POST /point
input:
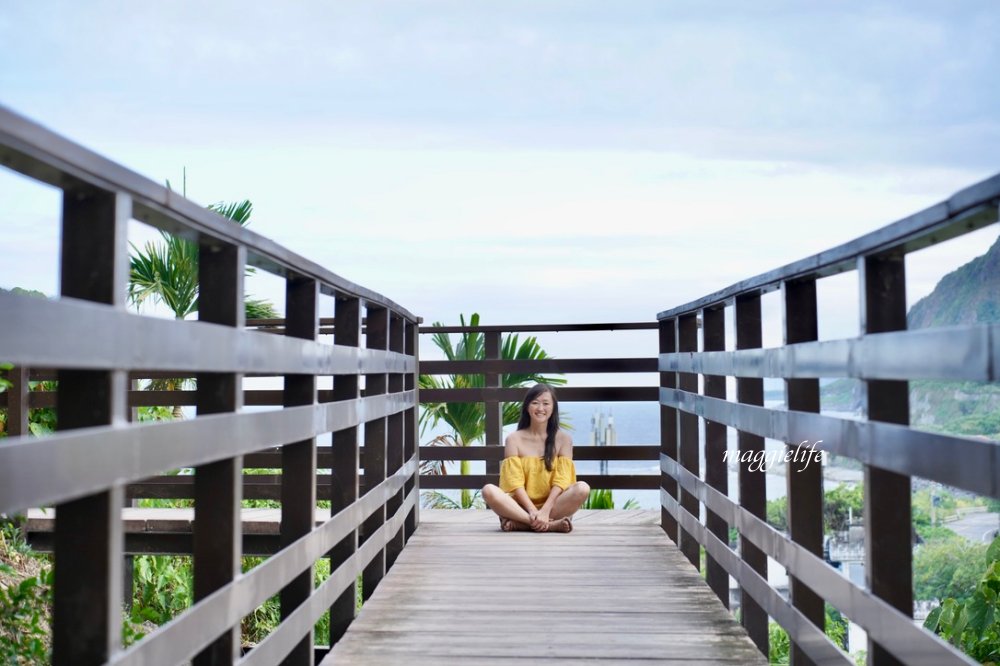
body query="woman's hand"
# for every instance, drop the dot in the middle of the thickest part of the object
(539, 520)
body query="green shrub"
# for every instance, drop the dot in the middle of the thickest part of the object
(24, 617)
(163, 587)
(603, 499)
(779, 645)
(973, 625)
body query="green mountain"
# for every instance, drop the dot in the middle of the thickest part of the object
(967, 295)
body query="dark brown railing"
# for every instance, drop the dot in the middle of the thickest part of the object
(884, 357)
(493, 396)
(94, 345)
(89, 342)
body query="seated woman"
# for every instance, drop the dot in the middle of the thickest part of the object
(538, 487)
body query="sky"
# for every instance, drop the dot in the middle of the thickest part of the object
(536, 162)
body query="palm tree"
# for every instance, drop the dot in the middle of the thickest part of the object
(167, 272)
(467, 420)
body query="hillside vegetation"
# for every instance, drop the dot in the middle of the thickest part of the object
(967, 295)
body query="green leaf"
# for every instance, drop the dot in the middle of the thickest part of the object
(150, 615)
(931, 623)
(39, 429)
(993, 552)
(961, 621)
(237, 211)
(27, 584)
(980, 613)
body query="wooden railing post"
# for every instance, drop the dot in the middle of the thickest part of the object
(411, 342)
(88, 540)
(376, 337)
(716, 471)
(298, 459)
(17, 401)
(753, 492)
(394, 440)
(218, 486)
(344, 466)
(668, 426)
(687, 426)
(804, 471)
(494, 415)
(888, 520)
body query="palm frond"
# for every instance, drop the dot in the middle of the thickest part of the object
(468, 420)
(237, 211)
(434, 499)
(259, 308)
(437, 467)
(167, 273)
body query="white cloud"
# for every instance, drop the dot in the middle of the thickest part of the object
(462, 156)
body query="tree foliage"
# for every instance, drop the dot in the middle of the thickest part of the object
(839, 504)
(944, 568)
(166, 271)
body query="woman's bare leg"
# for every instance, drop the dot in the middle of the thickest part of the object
(570, 501)
(507, 508)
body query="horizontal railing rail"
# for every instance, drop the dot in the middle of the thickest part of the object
(92, 347)
(885, 357)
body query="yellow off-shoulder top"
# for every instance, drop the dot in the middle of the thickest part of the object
(529, 472)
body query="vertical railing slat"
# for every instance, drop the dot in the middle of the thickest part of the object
(687, 426)
(344, 470)
(716, 471)
(753, 497)
(88, 542)
(298, 459)
(804, 474)
(888, 520)
(394, 440)
(218, 486)
(668, 426)
(494, 415)
(374, 463)
(411, 342)
(17, 401)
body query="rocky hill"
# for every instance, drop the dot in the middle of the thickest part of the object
(967, 295)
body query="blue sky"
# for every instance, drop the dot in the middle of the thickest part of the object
(536, 162)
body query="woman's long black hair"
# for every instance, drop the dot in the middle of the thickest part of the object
(551, 428)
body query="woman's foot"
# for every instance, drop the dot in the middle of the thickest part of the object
(561, 525)
(508, 525)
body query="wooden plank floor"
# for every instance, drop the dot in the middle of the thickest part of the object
(614, 591)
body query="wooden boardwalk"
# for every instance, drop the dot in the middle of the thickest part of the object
(614, 591)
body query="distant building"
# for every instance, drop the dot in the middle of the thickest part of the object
(602, 433)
